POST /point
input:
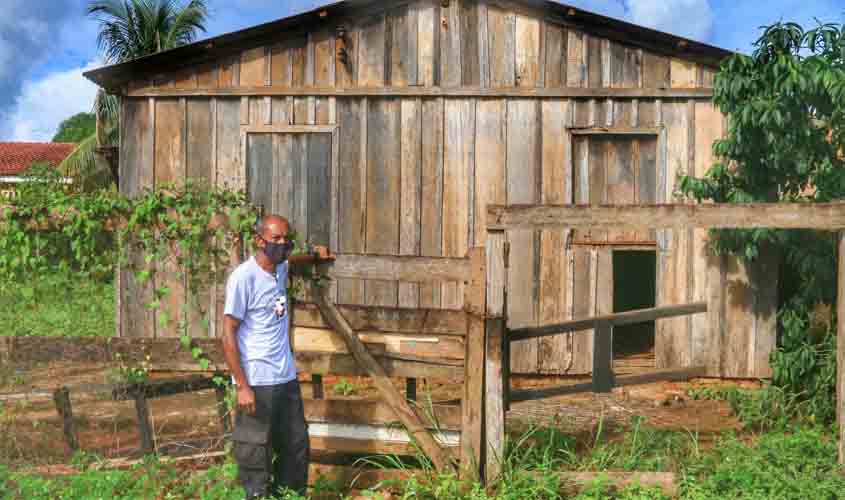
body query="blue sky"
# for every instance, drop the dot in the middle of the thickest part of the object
(45, 45)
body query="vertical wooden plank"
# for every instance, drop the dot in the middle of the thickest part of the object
(501, 30)
(402, 69)
(207, 76)
(556, 182)
(259, 170)
(704, 344)
(527, 43)
(603, 359)
(597, 55)
(352, 116)
(472, 404)
(231, 173)
(523, 157)
(371, 55)
(458, 165)
(298, 163)
(598, 159)
(739, 319)
(584, 270)
(431, 210)
(470, 53)
(282, 180)
(170, 170)
(319, 188)
(840, 348)
(707, 77)
(632, 70)
(145, 428)
(483, 44)
(428, 42)
(383, 190)
(490, 159)
(137, 161)
(655, 71)
(557, 40)
(765, 275)
(620, 180)
(576, 63)
(684, 74)
(411, 171)
(199, 161)
(646, 190)
(324, 75)
(280, 66)
(494, 407)
(672, 336)
(299, 77)
(228, 67)
(253, 67)
(450, 45)
(346, 58)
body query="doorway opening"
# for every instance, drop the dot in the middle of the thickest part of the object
(634, 287)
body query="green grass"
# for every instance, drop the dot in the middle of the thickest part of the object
(57, 305)
(796, 464)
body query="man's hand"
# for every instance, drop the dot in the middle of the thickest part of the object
(246, 400)
(323, 253)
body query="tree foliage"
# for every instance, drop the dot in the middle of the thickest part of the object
(76, 128)
(786, 127)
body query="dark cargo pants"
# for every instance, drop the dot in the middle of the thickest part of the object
(271, 447)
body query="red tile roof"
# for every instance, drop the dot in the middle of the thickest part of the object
(17, 157)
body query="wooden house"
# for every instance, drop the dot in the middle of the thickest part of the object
(387, 127)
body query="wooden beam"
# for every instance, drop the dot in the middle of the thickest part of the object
(495, 385)
(618, 481)
(369, 412)
(840, 349)
(394, 268)
(615, 319)
(419, 91)
(472, 436)
(603, 358)
(826, 216)
(670, 375)
(387, 319)
(145, 428)
(405, 413)
(615, 131)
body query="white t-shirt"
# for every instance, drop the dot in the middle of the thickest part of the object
(259, 300)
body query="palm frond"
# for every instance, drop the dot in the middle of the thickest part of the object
(84, 167)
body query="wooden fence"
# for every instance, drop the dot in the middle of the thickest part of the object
(829, 217)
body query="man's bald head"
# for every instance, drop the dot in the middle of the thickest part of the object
(272, 224)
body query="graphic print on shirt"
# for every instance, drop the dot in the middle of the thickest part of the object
(281, 308)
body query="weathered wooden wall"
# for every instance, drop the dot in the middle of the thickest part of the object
(412, 175)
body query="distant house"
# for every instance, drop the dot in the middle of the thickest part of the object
(17, 157)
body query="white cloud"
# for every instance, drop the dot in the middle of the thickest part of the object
(689, 18)
(43, 104)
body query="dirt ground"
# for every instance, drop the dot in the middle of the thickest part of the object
(31, 431)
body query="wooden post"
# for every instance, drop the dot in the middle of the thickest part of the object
(495, 364)
(411, 389)
(472, 426)
(506, 349)
(62, 399)
(145, 429)
(394, 398)
(840, 348)
(494, 402)
(317, 386)
(223, 409)
(603, 358)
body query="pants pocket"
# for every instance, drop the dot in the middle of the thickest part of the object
(250, 455)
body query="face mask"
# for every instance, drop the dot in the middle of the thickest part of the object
(277, 252)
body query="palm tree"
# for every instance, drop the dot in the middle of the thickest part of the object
(129, 29)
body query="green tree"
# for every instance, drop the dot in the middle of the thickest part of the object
(129, 29)
(786, 111)
(76, 128)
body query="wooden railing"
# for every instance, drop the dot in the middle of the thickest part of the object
(603, 378)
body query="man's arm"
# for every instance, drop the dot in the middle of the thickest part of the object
(246, 396)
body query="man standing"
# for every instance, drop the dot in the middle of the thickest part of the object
(270, 419)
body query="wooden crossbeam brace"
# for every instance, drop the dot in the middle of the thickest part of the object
(393, 397)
